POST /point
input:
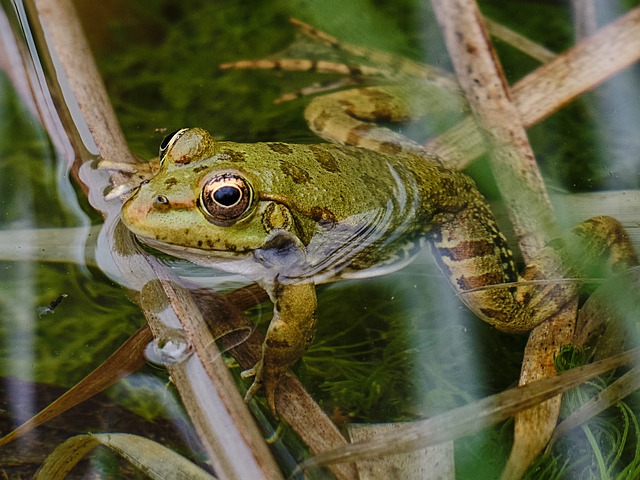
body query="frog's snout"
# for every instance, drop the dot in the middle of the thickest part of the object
(133, 212)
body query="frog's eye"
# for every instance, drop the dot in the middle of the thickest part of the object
(169, 140)
(225, 198)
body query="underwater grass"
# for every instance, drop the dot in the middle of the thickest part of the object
(604, 447)
(370, 379)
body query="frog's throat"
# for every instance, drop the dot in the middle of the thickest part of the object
(242, 263)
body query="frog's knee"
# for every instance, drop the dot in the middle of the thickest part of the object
(602, 225)
(607, 237)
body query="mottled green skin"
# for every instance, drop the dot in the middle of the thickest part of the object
(319, 185)
(321, 212)
(318, 212)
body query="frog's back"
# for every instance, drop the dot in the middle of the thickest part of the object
(347, 179)
(341, 181)
(354, 208)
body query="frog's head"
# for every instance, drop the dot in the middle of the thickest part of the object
(202, 207)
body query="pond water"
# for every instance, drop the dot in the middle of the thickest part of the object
(391, 348)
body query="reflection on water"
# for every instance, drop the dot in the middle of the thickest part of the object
(19, 337)
(45, 239)
(389, 348)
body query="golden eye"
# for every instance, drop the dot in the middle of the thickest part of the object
(225, 198)
(169, 140)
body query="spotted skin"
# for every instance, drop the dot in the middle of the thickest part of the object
(315, 213)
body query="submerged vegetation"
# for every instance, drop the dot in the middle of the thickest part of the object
(388, 349)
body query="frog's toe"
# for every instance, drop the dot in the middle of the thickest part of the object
(119, 191)
(255, 387)
(256, 373)
(270, 394)
(257, 383)
(251, 372)
(261, 381)
(124, 167)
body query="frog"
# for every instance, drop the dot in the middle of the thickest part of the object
(294, 216)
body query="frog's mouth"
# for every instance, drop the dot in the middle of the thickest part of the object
(155, 231)
(193, 254)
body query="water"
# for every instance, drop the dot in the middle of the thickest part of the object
(390, 348)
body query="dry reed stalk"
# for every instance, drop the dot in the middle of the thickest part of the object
(520, 182)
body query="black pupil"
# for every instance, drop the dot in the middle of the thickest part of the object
(227, 196)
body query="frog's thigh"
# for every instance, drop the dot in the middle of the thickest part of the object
(349, 118)
(372, 104)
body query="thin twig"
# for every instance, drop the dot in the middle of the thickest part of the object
(481, 78)
(522, 43)
(472, 417)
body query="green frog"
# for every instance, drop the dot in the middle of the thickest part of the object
(293, 216)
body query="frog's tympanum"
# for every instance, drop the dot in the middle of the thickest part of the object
(293, 216)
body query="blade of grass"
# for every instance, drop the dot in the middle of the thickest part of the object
(128, 358)
(622, 387)
(155, 460)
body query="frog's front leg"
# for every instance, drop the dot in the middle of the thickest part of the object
(290, 332)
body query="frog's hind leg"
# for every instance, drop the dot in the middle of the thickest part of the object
(359, 65)
(320, 60)
(388, 65)
(359, 61)
(477, 261)
(605, 240)
(353, 75)
(356, 117)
